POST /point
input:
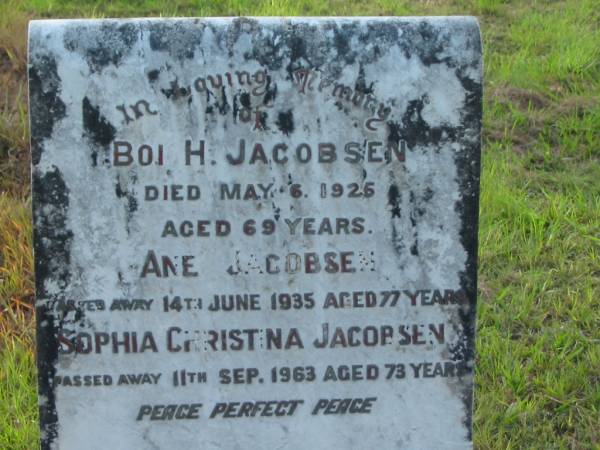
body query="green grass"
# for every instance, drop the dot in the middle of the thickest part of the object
(538, 371)
(538, 340)
(18, 406)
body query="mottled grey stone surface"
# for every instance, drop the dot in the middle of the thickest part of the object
(346, 235)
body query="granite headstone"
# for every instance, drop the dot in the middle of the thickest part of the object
(255, 233)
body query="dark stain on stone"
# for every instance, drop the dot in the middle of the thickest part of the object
(380, 36)
(79, 316)
(398, 241)
(153, 75)
(427, 194)
(467, 161)
(297, 51)
(223, 107)
(261, 123)
(297, 47)
(276, 211)
(302, 45)
(414, 212)
(361, 84)
(285, 122)
(270, 91)
(341, 42)
(416, 131)
(433, 42)
(414, 249)
(413, 220)
(394, 132)
(417, 207)
(180, 39)
(291, 47)
(234, 107)
(411, 200)
(68, 316)
(96, 128)
(231, 34)
(427, 41)
(52, 241)
(268, 51)
(394, 138)
(176, 91)
(245, 100)
(132, 204)
(47, 108)
(394, 200)
(208, 95)
(52, 255)
(103, 44)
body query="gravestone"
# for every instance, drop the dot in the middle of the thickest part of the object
(255, 233)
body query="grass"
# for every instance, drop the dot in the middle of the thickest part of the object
(18, 406)
(538, 371)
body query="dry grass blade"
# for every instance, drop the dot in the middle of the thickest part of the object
(16, 266)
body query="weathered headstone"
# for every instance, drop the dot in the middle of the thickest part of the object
(255, 233)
